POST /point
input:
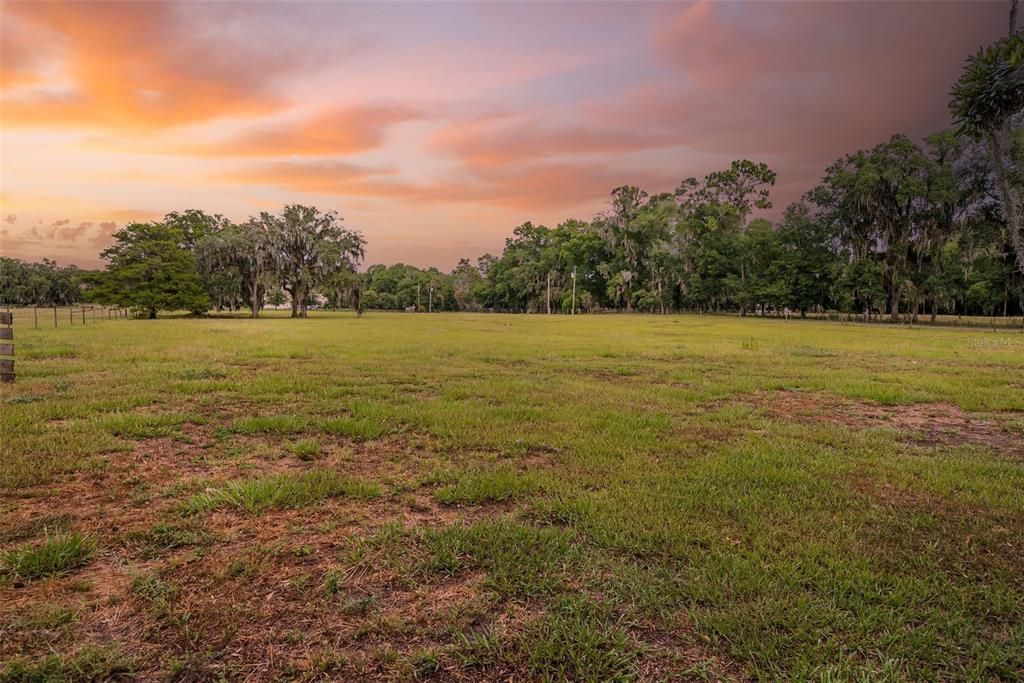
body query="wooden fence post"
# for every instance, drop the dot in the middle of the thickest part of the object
(7, 346)
(55, 315)
(35, 317)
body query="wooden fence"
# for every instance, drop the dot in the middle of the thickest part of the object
(6, 346)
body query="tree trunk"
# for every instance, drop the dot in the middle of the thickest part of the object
(294, 300)
(743, 286)
(894, 303)
(549, 294)
(152, 314)
(1007, 195)
(254, 301)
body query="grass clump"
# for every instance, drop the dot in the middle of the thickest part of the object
(46, 617)
(360, 429)
(152, 588)
(55, 556)
(482, 648)
(142, 426)
(520, 560)
(91, 663)
(305, 449)
(578, 641)
(281, 491)
(478, 486)
(269, 424)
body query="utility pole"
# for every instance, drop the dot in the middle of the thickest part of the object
(574, 290)
(430, 300)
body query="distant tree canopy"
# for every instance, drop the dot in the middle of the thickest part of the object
(40, 284)
(898, 228)
(193, 260)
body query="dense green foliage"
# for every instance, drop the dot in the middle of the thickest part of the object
(193, 260)
(150, 270)
(891, 229)
(39, 284)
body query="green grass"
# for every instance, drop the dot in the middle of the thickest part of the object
(56, 555)
(143, 426)
(485, 485)
(280, 491)
(578, 640)
(521, 560)
(270, 424)
(90, 663)
(616, 493)
(305, 449)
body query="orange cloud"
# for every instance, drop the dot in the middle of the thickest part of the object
(21, 54)
(134, 65)
(343, 131)
(554, 185)
(318, 177)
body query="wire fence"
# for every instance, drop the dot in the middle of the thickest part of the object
(49, 317)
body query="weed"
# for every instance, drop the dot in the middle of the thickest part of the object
(57, 555)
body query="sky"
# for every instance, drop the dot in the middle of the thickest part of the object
(435, 128)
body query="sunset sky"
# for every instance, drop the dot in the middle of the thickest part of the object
(435, 128)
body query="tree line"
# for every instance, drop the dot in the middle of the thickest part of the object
(902, 227)
(39, 284)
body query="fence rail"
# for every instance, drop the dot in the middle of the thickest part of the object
(38, 317)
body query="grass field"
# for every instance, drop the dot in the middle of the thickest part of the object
(472, 497)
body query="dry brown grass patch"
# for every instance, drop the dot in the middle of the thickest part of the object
(928, 424)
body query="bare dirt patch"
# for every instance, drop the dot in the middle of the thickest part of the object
(249, 598)
(928, 424)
